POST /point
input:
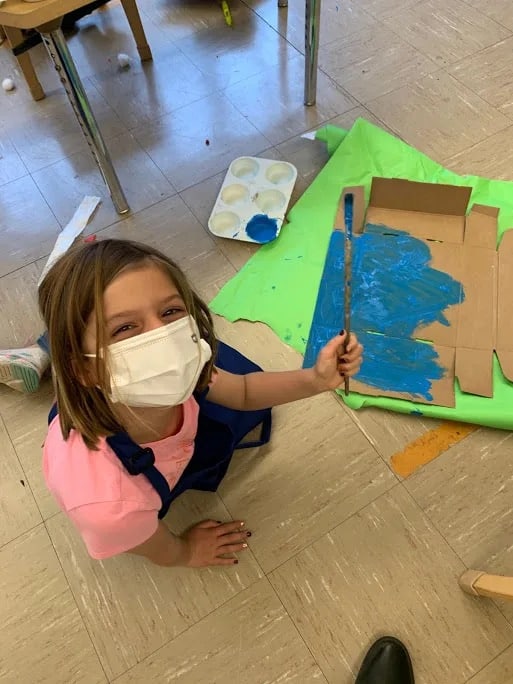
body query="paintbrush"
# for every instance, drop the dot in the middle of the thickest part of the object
(348, 257)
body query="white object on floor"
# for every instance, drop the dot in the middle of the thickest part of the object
(8, 84)
(123, 60)
(311, 135)
(70, 232)
(253, 200)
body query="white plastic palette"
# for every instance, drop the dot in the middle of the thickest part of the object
(253, 200)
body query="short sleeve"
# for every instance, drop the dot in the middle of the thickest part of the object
(113, 527)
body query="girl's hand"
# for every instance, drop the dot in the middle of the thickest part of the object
(207, 543)
(332, 365)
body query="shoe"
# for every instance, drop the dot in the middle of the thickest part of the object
(22, 369)
(386, 662)
(69, 20)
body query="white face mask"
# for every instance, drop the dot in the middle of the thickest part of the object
(160, 367)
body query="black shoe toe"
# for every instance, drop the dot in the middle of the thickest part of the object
(386, 662)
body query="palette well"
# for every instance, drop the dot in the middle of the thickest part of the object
(253, 200)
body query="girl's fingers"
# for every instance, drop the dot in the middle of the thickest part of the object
(351, 361)
(232, 548)
(227, 528)
(353, 343)
(224, 561)
(333, 347)
(349, 368)
(354, 353)
(233, 537)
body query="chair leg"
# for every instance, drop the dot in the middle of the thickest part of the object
(2, 35)
(312, 28)
(15, 37)
(492, 586)
(132, 14)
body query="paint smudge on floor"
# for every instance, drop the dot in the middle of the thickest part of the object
(394, 292)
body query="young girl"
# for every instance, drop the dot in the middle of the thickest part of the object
(131, 341)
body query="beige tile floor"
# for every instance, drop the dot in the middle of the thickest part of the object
(342, 550)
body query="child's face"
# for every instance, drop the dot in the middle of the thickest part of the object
(137, 301)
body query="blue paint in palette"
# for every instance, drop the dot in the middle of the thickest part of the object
(394, 292)
(262, 228)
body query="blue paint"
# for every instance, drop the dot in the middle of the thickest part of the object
(262, 228)
(399, 364)
(397, 289)
(348, 216)
(394, 292)
(416, 412)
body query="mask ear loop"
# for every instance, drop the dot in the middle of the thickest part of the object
(197, 341)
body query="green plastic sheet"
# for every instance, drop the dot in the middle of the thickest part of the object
(279, 284)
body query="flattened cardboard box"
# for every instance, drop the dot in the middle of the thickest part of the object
(463, 246)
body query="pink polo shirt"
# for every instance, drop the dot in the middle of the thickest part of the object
(113, 510)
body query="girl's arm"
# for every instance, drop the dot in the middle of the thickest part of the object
(162, 548)
(261, 390)
(204, 544)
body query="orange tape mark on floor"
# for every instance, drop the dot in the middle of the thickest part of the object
(429, 446)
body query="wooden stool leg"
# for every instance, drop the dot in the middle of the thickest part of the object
(132, 14)
(15, 37)
(2, 35)
(481, 584)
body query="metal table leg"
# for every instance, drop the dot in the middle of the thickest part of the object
(312, 25)
(58, 50)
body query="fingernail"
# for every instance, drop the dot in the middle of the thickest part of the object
(248, 534)
(244, 546)
(242, 524)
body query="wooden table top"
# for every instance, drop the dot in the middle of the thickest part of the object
(27, 15)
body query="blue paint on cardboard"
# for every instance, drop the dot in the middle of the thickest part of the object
(399, 364)
(394, 292)
(348, 215)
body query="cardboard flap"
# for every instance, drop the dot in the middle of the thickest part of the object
(481, 226)
(358, 209)
(505, 302)
(506, 362)
(437, 227)
(428, 198)
(474, 371)
(427, 210)
(478, 311)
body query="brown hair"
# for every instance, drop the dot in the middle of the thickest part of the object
(71, 291)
